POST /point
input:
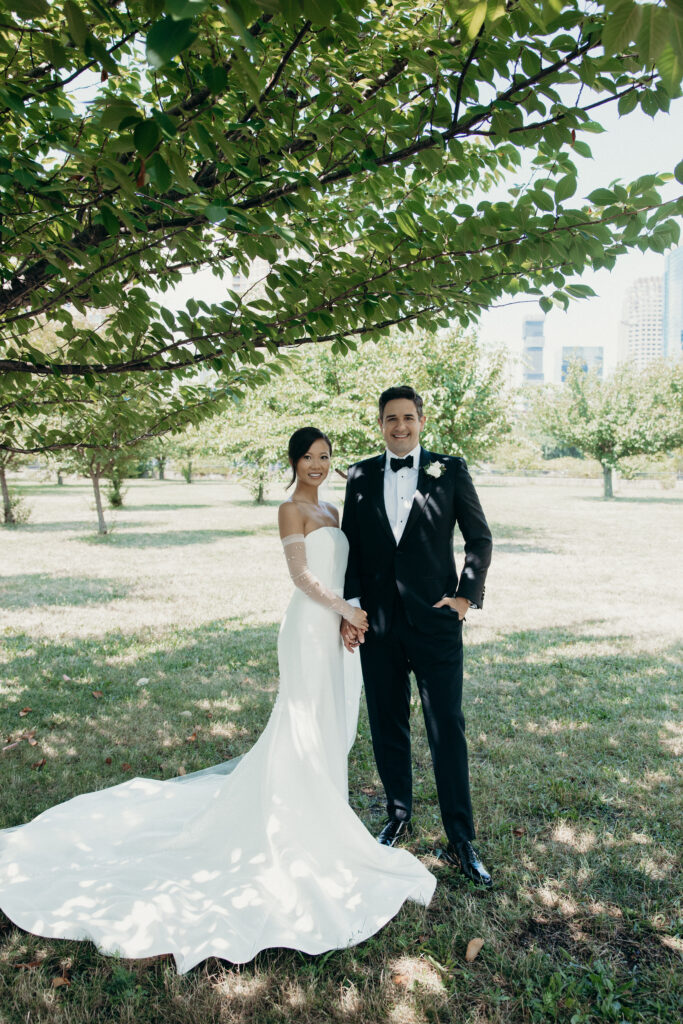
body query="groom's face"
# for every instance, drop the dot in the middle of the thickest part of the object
(401, 426)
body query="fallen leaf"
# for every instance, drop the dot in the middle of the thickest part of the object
(193, 737)
(107, 760)
(9, 746)
(142, 681)
(67, 679)
(59, 981)
(400, 979)
(31, 741)
(39, 764)
(97, 694)
(29, 966)
(519, 831)
(209, 714)
(182, 770)
(126, 767)
(24, 711)
(473, 949)
(186, 714)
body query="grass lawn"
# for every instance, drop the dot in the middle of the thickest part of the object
(572, 698)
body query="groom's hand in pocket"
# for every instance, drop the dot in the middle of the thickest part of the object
(460, 605)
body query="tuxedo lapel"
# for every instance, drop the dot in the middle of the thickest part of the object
(375, 493)
(424, 487)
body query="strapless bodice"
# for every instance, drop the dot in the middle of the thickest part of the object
(327, 551)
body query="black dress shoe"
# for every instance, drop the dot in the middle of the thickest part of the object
(463, 856)
(394, 830)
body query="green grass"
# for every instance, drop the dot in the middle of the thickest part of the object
(572, 700)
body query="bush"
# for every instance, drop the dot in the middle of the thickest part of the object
(21, 510)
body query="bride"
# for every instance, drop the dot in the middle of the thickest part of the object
(261, 851)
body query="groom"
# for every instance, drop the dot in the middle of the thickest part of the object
(400, 511)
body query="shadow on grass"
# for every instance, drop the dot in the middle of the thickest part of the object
(163, 507)
(35, 589)
(171, 538)
(512, 539)
(631, 500)
(76, 526)
(570, 777)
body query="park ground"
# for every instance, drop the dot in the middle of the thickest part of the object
(572, 696)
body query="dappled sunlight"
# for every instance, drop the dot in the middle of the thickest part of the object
(671, 737)
(410, 972)
(555, 726)
(581, 840)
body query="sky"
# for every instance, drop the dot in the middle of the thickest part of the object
(630, 147)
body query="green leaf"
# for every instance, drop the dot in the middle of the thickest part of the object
(78, 27)
(565, 188)
(166, 39)
(601, 197)
(653, 34)
(146, 136)
(670, 68)
(27, 9)
(473, 18)
(627, 102)
(406, 225)
(180, 10)
(320, 12)
(159, 172)
(215, 214)
(621, 26)
(678, 172)
(114, 113)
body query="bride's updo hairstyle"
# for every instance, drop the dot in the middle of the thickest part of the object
(299, 443)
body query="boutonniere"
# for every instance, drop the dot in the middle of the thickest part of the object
(435, 468)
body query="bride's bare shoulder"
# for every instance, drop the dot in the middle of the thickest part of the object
(290, 518)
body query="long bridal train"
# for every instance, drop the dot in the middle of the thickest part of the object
(261, 852)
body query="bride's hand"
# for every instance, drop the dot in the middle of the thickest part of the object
(359, 619)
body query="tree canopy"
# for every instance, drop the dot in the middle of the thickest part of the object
(636, 412)
(349, 145)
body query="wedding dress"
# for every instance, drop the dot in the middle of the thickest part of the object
(263, 851)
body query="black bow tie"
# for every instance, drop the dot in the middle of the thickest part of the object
(406, 463)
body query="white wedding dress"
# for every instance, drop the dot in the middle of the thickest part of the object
(261, 852)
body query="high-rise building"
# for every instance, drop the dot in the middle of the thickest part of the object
(532, 351)
(672, 319)
(591, 357)
(641, 321)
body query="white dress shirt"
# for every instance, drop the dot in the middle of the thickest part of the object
(399, 491)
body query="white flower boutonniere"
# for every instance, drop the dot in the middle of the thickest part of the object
(435, 468)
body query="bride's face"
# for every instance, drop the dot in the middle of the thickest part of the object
(313, 467)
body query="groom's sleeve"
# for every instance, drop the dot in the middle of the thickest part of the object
(478, 541)
(351, 529)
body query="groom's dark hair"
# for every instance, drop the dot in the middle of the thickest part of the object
(400, 391)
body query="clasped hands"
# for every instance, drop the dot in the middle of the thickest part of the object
(353, 631)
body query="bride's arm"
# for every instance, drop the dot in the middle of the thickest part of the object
(291, 524)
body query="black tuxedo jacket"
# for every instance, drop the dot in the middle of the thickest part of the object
(421, 568)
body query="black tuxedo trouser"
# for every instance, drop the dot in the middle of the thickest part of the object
(436, 661)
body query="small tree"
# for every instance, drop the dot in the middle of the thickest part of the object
(466, 400)
(636, 412)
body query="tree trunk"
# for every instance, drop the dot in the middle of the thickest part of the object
(188, 471)
(161, 463)
(101, 524)
(607, 481)
(8, 514)
(260, 494)
(60, 478)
